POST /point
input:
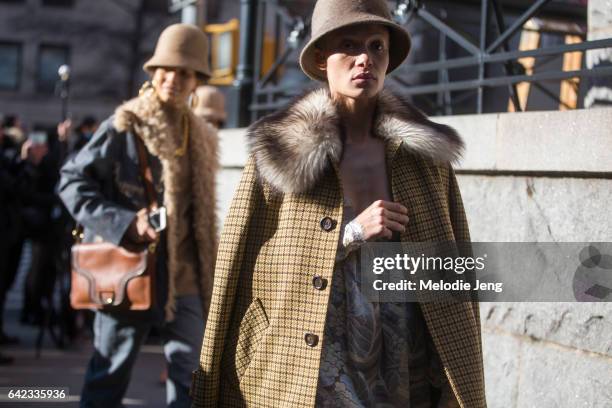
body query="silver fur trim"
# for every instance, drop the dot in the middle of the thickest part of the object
(294, 147)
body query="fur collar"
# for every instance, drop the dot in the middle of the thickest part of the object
(160, 130)
(157, 127)
(292, 147)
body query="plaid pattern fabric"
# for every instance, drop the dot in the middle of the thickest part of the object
(264, 306)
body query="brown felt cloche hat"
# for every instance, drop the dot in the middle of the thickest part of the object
(181, 46)
(331, 15)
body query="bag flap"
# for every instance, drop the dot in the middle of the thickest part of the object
(108, 268)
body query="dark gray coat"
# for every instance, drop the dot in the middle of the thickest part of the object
(101, 186)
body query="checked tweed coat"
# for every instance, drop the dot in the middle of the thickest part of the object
(264, 334)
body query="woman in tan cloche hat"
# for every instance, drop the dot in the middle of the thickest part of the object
(344, 165)
(103, 190)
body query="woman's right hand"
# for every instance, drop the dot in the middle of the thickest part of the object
(140, 231)
(381, 219)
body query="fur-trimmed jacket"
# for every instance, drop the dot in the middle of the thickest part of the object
(264, 334)
(102, 188)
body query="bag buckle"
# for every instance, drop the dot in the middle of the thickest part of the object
(107, 297)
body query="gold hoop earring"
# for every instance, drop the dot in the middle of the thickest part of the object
(194, 100)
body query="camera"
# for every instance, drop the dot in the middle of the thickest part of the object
(157, 219)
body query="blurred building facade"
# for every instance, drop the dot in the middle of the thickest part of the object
(106, 42)
(103, 42)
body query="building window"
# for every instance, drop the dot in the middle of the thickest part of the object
(58, 3)
(10, 65)
(50, 58)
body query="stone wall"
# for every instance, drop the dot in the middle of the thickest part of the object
(546, 177)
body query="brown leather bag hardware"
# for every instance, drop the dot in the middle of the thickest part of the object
(107, 276)
(107, 298)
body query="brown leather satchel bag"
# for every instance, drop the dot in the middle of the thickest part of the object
(110, 277)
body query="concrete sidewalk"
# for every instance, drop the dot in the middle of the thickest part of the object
(66, 368)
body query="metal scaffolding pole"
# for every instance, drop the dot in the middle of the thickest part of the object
(241, 92)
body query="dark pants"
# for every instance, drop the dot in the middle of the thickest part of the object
(117, 342)
(10, 255)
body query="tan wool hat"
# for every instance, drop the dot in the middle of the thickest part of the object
(331, 15)
(210, 104)
(181, 46)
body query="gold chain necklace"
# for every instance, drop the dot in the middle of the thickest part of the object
(183, 149)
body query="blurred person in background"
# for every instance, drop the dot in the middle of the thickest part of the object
(210, 105)
(30, 173)
(34, 172)
(7, 228)
(13, 130)
(29, 177)
(102, 189)
(74, 141)
(37, 178)
(11, 240)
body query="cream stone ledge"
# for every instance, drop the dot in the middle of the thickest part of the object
(577, 141)
(566, 142)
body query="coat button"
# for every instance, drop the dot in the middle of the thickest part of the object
(318, 282)
(311, 339)
(327, 224)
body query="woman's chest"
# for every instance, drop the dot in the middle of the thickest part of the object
(364, 177)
